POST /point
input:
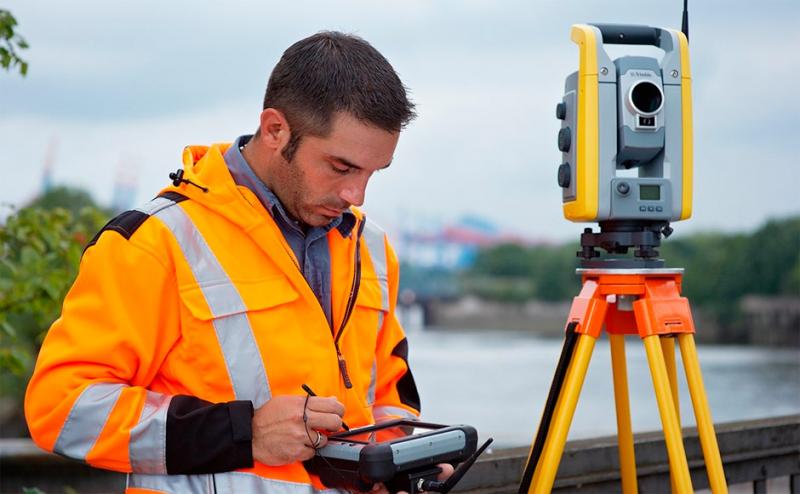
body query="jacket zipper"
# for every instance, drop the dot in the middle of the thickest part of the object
(351, 302)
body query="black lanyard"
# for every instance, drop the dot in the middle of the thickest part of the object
(351, 302)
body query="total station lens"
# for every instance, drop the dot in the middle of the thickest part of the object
(646, 97)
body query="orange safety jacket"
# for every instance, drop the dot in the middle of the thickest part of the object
(190, 311)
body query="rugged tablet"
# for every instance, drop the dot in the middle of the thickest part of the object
(402, 454)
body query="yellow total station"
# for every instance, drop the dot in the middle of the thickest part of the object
(626, 131)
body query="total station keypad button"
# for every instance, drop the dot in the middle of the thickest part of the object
(561, 111)
(564, 139)
(564, 175)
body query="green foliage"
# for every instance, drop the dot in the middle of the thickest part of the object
(73, 199)
(516, 273)
(10, 43)
(791, 283)
(554, 272)
(770, 255)
(720, 268)
(39, 254)
(508, 260)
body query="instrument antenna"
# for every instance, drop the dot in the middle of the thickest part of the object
(685, 21)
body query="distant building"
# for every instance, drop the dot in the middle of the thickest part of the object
(49, 163)
(125, 188)
(452, 246)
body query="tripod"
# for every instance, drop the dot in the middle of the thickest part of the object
(627, 301)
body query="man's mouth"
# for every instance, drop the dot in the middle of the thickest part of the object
(327, 211)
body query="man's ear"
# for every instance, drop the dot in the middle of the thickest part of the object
(275, 130)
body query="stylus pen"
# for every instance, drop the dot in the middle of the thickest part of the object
(312, 393)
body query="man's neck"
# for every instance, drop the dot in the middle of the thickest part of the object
(256, 161)
(251, 156)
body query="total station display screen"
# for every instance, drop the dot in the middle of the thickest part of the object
(650, 192)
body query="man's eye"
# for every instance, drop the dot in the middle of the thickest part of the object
(341, 170)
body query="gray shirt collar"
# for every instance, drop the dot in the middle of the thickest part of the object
(244, 175)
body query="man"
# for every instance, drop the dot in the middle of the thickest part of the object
(194, 321)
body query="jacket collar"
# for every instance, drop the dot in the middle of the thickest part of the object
(205, 166)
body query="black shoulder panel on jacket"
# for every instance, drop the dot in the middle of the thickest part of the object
(173, 196)
(125, 224)
(406, 387)
(128, 222)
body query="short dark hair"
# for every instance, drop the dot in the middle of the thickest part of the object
(331, 72)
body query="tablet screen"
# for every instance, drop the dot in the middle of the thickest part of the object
(385, 432)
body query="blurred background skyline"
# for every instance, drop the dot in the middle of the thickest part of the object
(115, 91)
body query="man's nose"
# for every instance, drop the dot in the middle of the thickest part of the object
(354, 192)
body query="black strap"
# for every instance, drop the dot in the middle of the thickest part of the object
(564, 360)
(356, 284)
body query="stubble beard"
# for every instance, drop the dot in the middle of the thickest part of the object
(297, 193)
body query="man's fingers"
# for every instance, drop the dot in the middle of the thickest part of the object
(379, 489)
(307, 453)
(312, 441)
(447, 471)
(324, 421)
(326, 405)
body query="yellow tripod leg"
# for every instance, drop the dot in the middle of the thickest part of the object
(627, 458)
(545, 473)
(705, 426)
(679, 467)
(668, 349)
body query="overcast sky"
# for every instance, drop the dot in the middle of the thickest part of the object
(128, 84)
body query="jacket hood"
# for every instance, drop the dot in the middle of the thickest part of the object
(212, 186)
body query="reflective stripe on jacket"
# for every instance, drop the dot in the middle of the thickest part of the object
(203, 298)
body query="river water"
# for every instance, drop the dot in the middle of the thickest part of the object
(497, 381)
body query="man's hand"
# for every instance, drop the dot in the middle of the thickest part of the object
(280, 435)
(447, 471)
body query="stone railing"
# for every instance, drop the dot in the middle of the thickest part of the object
(756, 454)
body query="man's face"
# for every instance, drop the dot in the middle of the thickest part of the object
(329, 174)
